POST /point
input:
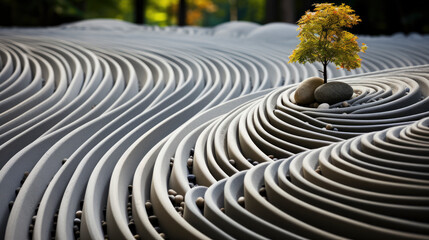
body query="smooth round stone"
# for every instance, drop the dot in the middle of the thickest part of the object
(333, 92)
(76, 221)
(154, 220)
(78, 213)
(232, 162)
(240, 201)
(200, 202)
(172, 192)
(178, 199)
(191, 177)
(148, 205)
(329, 126)
(323, 106)
(345, 104)
(304, 93)
(132, 226)
(190, 162)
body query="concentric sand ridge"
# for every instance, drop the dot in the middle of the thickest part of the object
(109, 129)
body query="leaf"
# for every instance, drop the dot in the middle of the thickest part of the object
(323, 37)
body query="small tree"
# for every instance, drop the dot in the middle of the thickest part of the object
(323, 38)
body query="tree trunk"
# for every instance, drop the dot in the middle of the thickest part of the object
(182, 12)
(233, 10)
(325, 74)
(270, 11)
(287, 11)
(139, 11)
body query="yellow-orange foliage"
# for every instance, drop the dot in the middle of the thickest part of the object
(194, 13)
(323, 38)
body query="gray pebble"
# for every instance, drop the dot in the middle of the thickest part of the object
(323, 106)
(191, 178)
(76, 221)
(241, 201)
(232, 162)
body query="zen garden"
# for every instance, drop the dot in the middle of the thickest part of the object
(189, 127)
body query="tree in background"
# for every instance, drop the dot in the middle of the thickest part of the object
(323, 38)
(280, 11)
(401, 16)
(197, 9)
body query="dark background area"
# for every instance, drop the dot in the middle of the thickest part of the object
(378, 16)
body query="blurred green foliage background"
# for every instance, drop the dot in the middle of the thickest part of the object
(378, 17)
